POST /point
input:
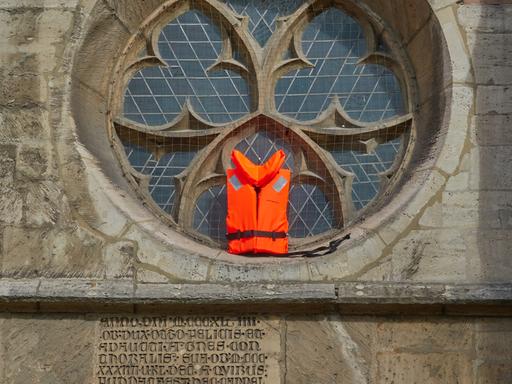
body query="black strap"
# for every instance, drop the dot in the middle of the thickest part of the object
(320, 251)
(253, 233)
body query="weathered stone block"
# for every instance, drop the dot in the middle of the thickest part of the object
(458, 183)
(494, 373)
(44, 203)
(7, 164)
(423, 367)
(47, 350)
(485, 19)
(433, 216)
(493, 100)
(19, 26)
(23, 124)
(11, 206)
(173, 262)
(438, 4)
(431, 256)
(118, 258)
(32, 162)
(417, 336)
(317, 353)
(75, 252)
(492, 166)
(493, 129)
(494, 345)
(25, 252)
(425, 196)
(39, 33)
(461, 65)
(461, 106)
(60, 4)
(494, 248)
(491, 54)
(22, 85)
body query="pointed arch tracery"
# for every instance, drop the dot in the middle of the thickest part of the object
(206, 79)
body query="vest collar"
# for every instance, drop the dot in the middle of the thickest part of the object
(258, 175)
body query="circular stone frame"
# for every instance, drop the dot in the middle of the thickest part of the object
(97, 73)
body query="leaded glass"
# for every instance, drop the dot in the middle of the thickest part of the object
(263, 15)
(334, 43)
(162, 172)
(210, 213)
(367, 168)
(189, 45)
(323, 94)
(309, 211)
(262, 145)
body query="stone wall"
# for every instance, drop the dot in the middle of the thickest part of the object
(66, 214)
(326, 349)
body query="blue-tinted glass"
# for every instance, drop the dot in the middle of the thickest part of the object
(189, 45)
(309, 211)
(139, 87)
(162, 171)
(210, 213)
(366, 167)
(261, 146)
(313, 103)
(334, 42)
(263, 15)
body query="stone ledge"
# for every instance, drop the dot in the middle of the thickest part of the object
(102, 292)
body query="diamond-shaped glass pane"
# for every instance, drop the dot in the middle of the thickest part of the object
(334, 43)
(210, 213)
(366, 168)
(263, 15)
(189, 45)
(309, 211)
(162, 171)
(262, 145)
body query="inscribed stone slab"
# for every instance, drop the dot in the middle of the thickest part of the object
(187, 349)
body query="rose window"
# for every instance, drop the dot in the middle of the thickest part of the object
(322, 80)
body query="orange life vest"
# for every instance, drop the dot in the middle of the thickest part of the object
(256, 219)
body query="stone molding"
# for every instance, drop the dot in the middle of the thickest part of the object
(370, 294)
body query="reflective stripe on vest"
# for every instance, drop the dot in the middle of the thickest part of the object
(256, 219)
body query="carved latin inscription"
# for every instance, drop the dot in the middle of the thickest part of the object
(187, 349)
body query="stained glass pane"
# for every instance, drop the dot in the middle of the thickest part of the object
(366, 168)
(309, 211)
(210, 213)
(263, 15)
(261, 146)
(192, 43)
(161, 170)
(334, 43)
(189, 45)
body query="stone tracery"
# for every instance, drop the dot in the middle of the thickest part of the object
(339, 164)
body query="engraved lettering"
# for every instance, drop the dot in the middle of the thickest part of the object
(181, 350)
